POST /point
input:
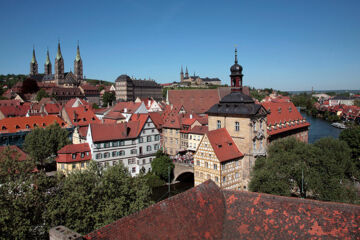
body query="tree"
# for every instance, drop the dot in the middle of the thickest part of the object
(108, 98)
(41, 94)
(357, 102)
(23, 198)
(90, 199)
(352, 137)
(42, 144)
(320, 171)
(95, 106)
(160, 165)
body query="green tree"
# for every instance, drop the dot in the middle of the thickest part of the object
(319, 171)
(43, 144)
(90, 199)
(41, 94)
(95, 106)
(352, 137)
(160, 165)
(108, 98)
(23, 197)
(357, 102)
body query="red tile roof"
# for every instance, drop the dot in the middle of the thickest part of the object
(52, 108)
(9, 103)
(157, 119)
(81, 116)
(284, 112)
(197, 101)
(16, 124)
(108, 132)
(15, 111)
(131, 107)
(114, 115)
(71, 102)
(208, 212)
(20, 153)
(199, 130)
(65, 154)
(223, 145)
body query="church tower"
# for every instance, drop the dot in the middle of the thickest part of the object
(78, 66)
(186, 73)
(33, 64)
(181, 75)
(47, 65)
(236, 75)
(59, 66)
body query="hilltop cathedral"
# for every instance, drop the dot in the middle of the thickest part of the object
(60, 78)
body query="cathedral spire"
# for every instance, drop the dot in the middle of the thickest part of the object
(182, 69)
(47, 62)
(186, 73)
(58, 55)
(78, 53)
(33, 60)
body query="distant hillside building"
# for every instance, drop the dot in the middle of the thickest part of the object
(128, 89)
(196, 80)
(61, 78)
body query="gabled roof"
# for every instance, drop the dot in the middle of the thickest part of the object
(118, 131)
(22, 156)
(78, 101)
(9, 103)
(157, 119)
(65, 154)
(17, 110)
(197, 101)
(284, 112)
(114, 115)
(52, 108)
(81, 116)
(209, 212)
(16, 124)
(223, 145)
(130, 107)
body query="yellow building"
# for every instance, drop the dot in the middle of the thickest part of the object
(73, 157)
(218, 158)
(196, 134)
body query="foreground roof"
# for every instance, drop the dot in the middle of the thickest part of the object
(16, 124)
(208, 212)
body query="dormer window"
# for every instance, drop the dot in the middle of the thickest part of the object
(27, 126)
(230, 143)
(3, 128)
(220, 146)
(279, 109)
(35, 125)
(17, 127)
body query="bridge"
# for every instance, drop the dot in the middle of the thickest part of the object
(182, 169)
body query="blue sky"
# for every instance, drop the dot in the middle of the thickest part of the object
(286, 45)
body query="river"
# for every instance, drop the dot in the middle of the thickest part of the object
(320, 128)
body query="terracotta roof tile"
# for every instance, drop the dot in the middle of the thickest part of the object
(208, 212)
(21, 154)
(81, 116)
(223, 145)
(82, 153)
(199, 130)
(16, 124)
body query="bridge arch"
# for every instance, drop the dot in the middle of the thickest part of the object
(182, 169)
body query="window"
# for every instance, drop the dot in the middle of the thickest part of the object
(114, 163)
(98, 145)
(261, 143)
(156, 146)
(261, 124)
(87, 153)
(218, 124)
(107, 145)
(131, 161)
(73, 155)
(141, 140)
(152, 130)
(133, 170)
(148, 148)
(62, 166)
(216, 179)
(254, 144)
(224, 178)
(206, 164)
(115, 144)
(215, 166)
(237, 175)
(133, 151)
(194, 145)
(121, 143)
(190, 137)
(113, 154)
(197, 174)
(198, 162)
(144, 161)
(190, 145)
(208, 176)
(121, 153)
(73, 166)
(98, 156)
(148, 139)
(106, 155)
(237, 126)
(157, 137)
(82, 165)
(254, 126)
(82, 155)
(201, 175)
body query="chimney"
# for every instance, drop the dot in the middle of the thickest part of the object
(171, 106)
(190, 116)
(125, 110)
